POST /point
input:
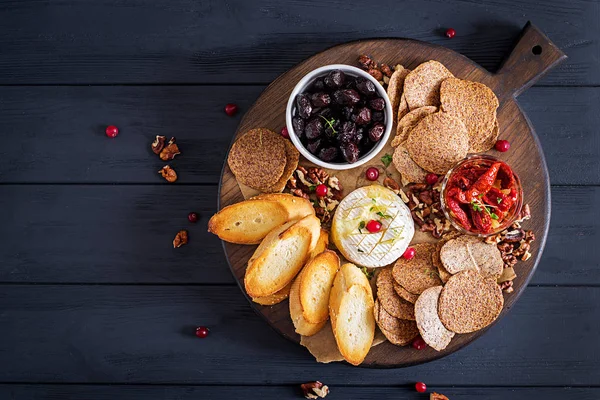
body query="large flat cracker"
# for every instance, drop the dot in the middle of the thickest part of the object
(438, 142)
(405, 294)
(409, 121)
(398, 331)
(469, 302)
(475, 105)
(417, 274)
(292, 156)
(395, 87)
(435, 258)
(402, 108)
(422, 85)
(409, 170)
(433, 332)
(388, 298)
(470, 252)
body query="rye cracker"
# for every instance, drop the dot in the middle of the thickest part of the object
(398, 331)
(418, 273)
(395, 87)
(257, 158)
(475, 105)
(438, 142)
(409, 170)
(470, 252)
(390, 301)
(469, 302)
(409, 121)
(405, 294)
(292, 156)
(422, 85)
(433, 332)
(402, 108)
(437, 262)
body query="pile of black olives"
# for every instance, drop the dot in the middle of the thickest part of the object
(340, 117)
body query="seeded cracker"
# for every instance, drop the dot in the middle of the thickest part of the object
(409, 169)
(402, 107)
(292, 157)
(475, 105)
(417, 274)
(469, 302)
(409, 121)
(405, 294)
(388, 298)
(470, 252)
(395, 87)
(435, 258)
(257, 158)
(433, 332)
(438, 142)
(422, 85)
(398, 331)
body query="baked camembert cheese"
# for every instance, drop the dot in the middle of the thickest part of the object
(356, 243)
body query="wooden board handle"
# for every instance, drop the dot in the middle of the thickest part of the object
(532, 57)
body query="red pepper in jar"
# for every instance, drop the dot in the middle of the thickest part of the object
(458, 194)
(497, 199)
(481, 220)
(484, 183)
(459, 213)
(506, 177)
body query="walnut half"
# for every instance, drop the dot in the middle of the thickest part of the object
(168, 173)
(314, 390)
(180, 239)
(158, 144)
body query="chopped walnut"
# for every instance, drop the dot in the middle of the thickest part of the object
(303, 183)
(334, 183)
(317, 175)
(366, 62)
(168, 173)
(387, 71)
(375, 73)
(170, 151)
(314, 390)
(300, 193)
(392, 185)
(507, 286)
(158, 144)
(180, 239)
(437, 396)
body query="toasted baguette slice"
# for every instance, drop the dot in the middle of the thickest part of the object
(351, 312)
(297, 207)
(315, 286)
(275, 298)
(248, 222)
(322, 244)
(280, 257)
(303, 327)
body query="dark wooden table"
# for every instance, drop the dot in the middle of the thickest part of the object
(94, 301)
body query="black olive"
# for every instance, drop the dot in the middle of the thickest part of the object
(350, 152)
(377, 104)
(328, 154)
(377, 116)
(314, 128)
(298, 125)
(376, 132)
(363, 117)
(304, 106)
(335, 79)
(314, 146)
(346, 97)
(320, 99)
(366, 87)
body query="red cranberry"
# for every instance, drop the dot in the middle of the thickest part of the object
(231, 109)
(372, 174)
(373, 226)
(321, 190)
(202, 332)
(193, 217)
(419, 343)
(431, 179)
(112, 131)
(409, 253)
(421, 387)
(502, 145)
(450, 33)
(285, 133)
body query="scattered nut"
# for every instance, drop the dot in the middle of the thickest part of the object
(387, 71)
(375, 73)
(170, 151)
(392, 185)
(303, 183)
(314, 390)
(158, 144)
(168, 173)
(180, 239)
(437, 396)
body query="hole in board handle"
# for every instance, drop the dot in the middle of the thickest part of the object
(536, 50)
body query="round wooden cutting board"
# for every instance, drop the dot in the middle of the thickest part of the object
(533, 55)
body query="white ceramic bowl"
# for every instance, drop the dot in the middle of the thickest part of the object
(301, 88)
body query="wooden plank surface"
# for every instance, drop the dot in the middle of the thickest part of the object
(187, 41)
(57, 133)
(145, 334)
(150, 392)
(123, 234)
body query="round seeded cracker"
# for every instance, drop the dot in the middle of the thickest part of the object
(395, 87)
(433, 332)
(398, 331)
(409, 170)
(418, 273)
(390, 301)
(409, 121)
(435, 258)
(469, 302)
(405, 294)
(422, 85)
(292, 156)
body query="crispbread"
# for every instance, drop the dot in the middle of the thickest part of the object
(398, 331)
(469, 302)
(257, 158)
(301, 325)
(402, 108)
(291, 163)
(409, 170)
(275, 298)
(248, 222)
(395, 87)
(316, 280)
(435, 257)
(418, 273)
(422, 85)
(389, 299)
(438, 142)
(405, 294)
(409, 121)
(296, 207)
(433, 332)
(470, 252)
(475, 105)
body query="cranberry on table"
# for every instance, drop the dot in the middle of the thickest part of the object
(502, 145)
(373, 226)
(372, 174)
(419, 343)
(321, 190)
(231, 109)
(202, 332)
(431, 179)
(450, 33)
(420, 387)
(112, 131)
(409, 253)
(285, 133)
(193, 217)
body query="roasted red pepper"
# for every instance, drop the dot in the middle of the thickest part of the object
(506, 177)
(484, 183)
(459, 214)
(481, 220)
(498, 200)
(457, 194)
